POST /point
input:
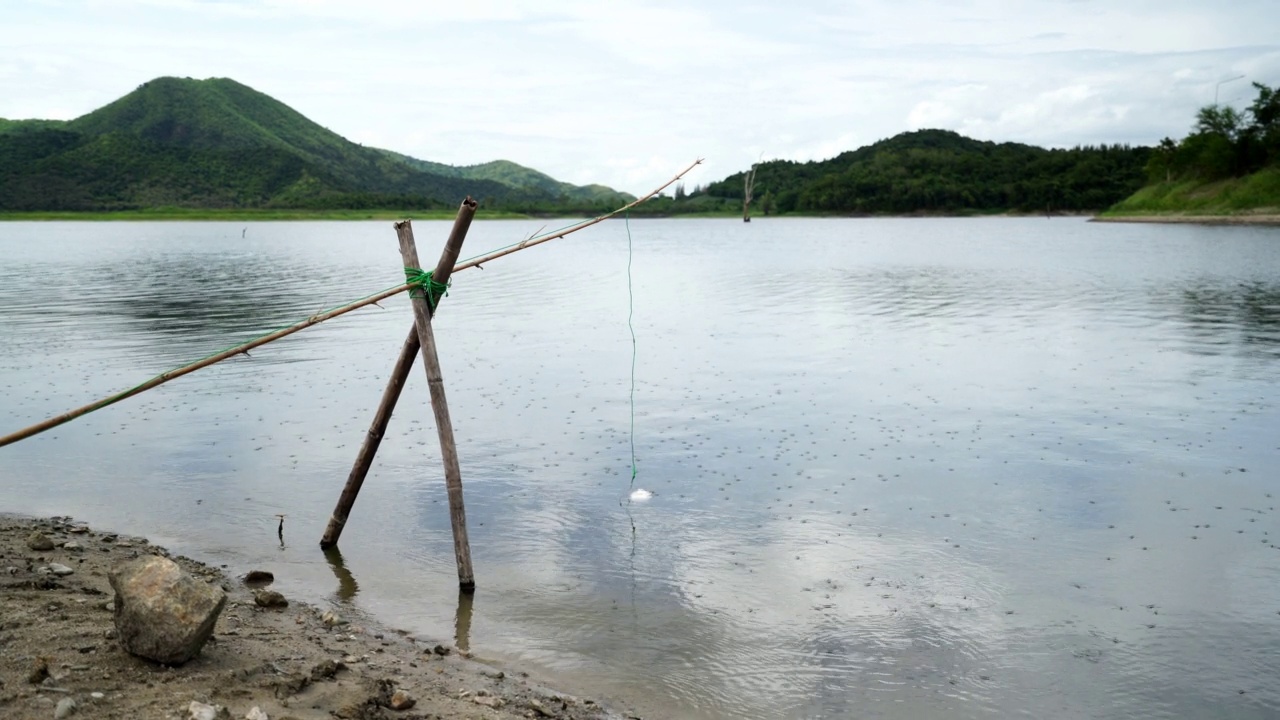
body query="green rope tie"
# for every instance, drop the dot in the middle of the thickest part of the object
(421, 280)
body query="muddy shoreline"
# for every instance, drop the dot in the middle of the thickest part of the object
(1261, 219)
(59, 656)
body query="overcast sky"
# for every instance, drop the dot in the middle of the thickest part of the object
(627, 93)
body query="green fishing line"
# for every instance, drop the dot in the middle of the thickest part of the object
(631, 311)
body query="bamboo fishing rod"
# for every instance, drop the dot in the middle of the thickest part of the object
(316, 319)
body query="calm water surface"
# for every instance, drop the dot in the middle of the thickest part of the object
(903, 468)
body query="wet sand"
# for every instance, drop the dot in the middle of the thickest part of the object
(57, 643)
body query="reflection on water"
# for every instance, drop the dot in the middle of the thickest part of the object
(927, 468)
(1244, 318)
(347, 585)
(462, 621)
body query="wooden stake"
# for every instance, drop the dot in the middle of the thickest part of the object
(391, 394)
(444, 426)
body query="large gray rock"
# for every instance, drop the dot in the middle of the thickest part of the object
(162, 613)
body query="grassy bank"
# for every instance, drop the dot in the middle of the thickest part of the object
(1256, 194)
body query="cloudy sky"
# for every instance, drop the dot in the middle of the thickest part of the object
(627, 93)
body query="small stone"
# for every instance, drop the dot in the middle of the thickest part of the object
(72, 546)
(440, 650)
(96, 695)
(39, 541)
(269, 599)
(331, 618)
(326, 669)
(79, 529)
(59, 569)
(66, 706)
(109, 538)
(259, 577)
(488, 701)
(402, 700)
(290, 684)
(256, 713)
(39, 671)
(200, 711)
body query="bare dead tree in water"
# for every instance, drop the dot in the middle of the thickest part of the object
(748, 184)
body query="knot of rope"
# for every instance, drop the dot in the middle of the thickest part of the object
(422, 282)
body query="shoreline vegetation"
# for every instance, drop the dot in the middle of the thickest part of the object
(248, 215)
(1264, 216)
(298, 661)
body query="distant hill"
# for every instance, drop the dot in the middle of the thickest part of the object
(12, 125)
(519, 176)
(219, 144)
(940, 171)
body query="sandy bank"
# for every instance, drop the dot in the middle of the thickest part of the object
(1259, 219)
(57, 643)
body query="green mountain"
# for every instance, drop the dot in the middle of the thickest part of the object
(519, 176)
(939, 171)
(218, 144)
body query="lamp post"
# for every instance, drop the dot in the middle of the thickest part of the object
(1220, 84)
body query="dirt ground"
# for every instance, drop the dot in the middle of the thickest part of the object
(58, 647)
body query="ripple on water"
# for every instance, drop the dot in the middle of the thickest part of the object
(927, 468)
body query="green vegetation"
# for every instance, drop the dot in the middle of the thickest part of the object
(519, 176)
(254, 214)
(218, 145)
(1257, 193)
(930, 172)
(187, 149)
(16, 125)
(1228, 164)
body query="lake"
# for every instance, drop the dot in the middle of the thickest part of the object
(902, 468)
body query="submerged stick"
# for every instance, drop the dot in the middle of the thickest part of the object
(313, 320)
(391, 394)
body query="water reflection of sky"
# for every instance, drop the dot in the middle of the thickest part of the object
(903, 468)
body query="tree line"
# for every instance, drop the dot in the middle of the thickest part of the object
(1223, 142)
(935, 172)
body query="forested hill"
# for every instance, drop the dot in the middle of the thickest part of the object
(216, 143)
(939, 171)
(509, 173)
